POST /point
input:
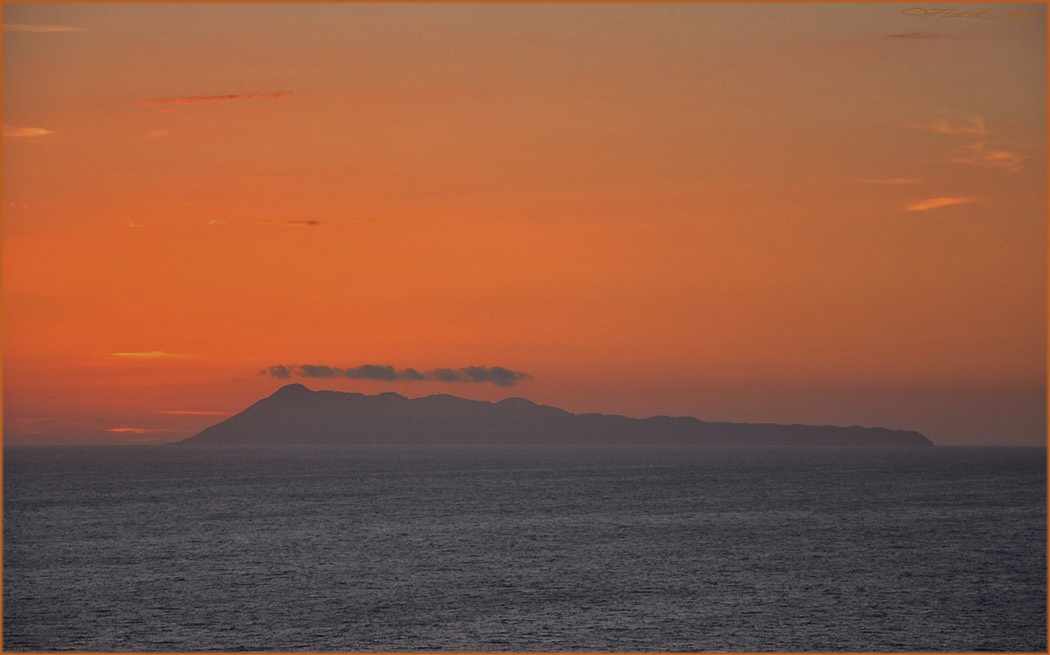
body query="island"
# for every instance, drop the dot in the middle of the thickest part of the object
(296, 415)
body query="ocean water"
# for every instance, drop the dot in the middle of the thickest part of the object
(357, 549)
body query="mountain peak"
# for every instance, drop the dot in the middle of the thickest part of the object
(291, 389)
(516, 401)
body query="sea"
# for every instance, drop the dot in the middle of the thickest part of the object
(176, 548)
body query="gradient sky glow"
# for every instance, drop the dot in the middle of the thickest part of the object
(819, 213)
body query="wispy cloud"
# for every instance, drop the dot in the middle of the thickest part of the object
(980, 154)
(206, 100)
(132, 430)
(918, 35)
(10, 131)
(294, 223)
(944, 201)
(891, 181)
(952, 124)
(217, 221)
(40, 29)
(497, 375)
(156, 134)
(153, 354)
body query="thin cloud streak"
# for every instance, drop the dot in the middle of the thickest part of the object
(206, 100)
(935, 203)
(918, 35)
(293, 223)
(979, 154)
(497, 375)
(891, 180)
(41, 29)
(952, 125)
(10, 131)
(153, 354)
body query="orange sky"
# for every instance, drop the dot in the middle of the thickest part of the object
(788, 213)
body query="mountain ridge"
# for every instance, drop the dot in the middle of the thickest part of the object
(295, 414)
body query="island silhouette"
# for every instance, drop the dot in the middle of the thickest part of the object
(296, 415)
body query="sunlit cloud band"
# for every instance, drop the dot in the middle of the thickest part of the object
(949, 124)
(153, 354)
(980, 154)
(934, 203)
(10, 131)
(40, 29)
(891, 181)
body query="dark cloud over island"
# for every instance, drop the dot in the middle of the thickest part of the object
(497, 375)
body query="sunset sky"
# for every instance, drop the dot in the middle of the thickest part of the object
(821, 213)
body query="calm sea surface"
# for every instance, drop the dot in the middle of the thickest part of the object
(174, 548)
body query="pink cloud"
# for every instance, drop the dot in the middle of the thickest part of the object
(10, 131)
(891, 180)
(917, 35)
(40, 29)
(934, 203)
(953, 124)
(979, 154)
